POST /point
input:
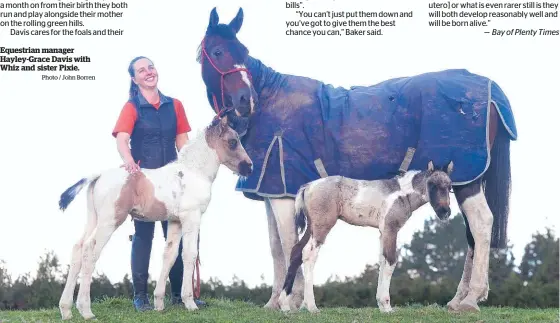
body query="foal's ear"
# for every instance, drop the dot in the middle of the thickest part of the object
(431, 166)
(450, 168)
(236, 22)
(223, 125)
(214, 18)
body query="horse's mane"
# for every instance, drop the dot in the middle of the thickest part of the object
(200, 135)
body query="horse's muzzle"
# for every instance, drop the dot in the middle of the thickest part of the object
(443, 213)
(245, 168)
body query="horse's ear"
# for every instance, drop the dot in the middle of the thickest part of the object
(450, 168)
(431, 166)
(236, 22)
(214, 18)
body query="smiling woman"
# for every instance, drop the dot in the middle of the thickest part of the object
(156, 127)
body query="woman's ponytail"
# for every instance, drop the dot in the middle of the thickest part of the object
(133, 91)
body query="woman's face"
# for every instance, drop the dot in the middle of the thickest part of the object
(145, 74)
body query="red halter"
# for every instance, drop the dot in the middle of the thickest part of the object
(219, 112)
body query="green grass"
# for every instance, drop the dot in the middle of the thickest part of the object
(121, 310)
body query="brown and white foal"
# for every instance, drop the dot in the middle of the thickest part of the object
(178, 192)
(384, 204)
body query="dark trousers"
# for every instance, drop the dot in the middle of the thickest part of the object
(140, 259)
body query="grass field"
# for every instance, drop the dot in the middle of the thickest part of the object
(121, 310)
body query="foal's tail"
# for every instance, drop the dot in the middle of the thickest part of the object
(301, 215)
(68, 196)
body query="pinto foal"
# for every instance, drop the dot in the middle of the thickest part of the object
(178, 192)
(383, 204)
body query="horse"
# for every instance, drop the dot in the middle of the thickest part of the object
(178, 192)
(297, 129)
(385, 204)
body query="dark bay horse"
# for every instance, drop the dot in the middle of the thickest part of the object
(297, 129)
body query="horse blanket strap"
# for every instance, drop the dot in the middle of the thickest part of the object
(320, 167)
(407, 160)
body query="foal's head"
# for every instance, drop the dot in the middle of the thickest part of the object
(225, 141)
(438, 187)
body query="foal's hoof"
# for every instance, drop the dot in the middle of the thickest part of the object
(314, 310)
(386, 309)
(468, 306)
(191, 305)
(88, 316)
(66, 315)
(158, 305)
(284, 302)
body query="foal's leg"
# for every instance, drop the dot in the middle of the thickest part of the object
(473, 202)
(387, 263)
(67, 297)
(310, 254)
(190, 227)
(171, 250)
(284, 213)
(91, 251)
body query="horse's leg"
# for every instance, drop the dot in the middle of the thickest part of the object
(170, 252)
(479, 218)
(190, 227)
(284, 213)
(92, 248)
(279, 264)
(67, 297)
(463, 288)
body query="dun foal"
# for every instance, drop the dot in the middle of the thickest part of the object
(384, 204)
(178, 192)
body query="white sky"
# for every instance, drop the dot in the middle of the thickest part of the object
(54, 133)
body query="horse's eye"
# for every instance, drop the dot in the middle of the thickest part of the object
(232, 143)
(217, 53)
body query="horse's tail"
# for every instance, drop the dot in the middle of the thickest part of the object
(68, 196)
(296, 260)
(497, 187)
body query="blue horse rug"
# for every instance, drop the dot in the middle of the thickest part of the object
(304, 129)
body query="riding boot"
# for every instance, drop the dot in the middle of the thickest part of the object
(140, 262)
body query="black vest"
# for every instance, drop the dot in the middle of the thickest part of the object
(153, 139)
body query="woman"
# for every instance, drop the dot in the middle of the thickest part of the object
(156, 127)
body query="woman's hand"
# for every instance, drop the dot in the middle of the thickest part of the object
(131, 166)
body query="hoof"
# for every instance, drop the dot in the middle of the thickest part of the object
(386, 310)
(88, 316)
(159, 306)
(314, 310)
(284, 302)
(468, 306)
(453, 305)
(66, 315)
(272, 305)
(191, 305)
